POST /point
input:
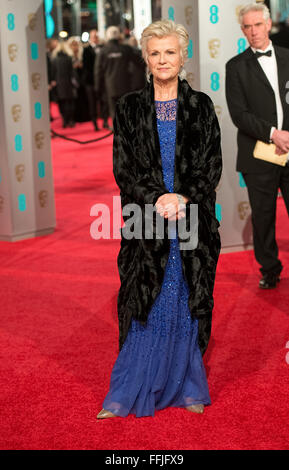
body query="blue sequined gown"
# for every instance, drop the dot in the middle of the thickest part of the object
(160, 364)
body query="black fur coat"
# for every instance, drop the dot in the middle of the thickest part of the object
(137, 169)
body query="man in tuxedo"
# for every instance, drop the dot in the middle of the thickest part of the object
(256, 82)
(95, 100)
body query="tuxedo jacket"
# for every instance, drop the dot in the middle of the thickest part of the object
(252, 106)
(137, 168)
(89, 57)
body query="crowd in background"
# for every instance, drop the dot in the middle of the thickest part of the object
(280, 33)
(86, 80)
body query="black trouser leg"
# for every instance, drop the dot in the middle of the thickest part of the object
(66, 108)
(92, 102)
(263, 190)
(284, 186)
(64, 111)
(70, 110)
(104, 108)
(61, 108)
(112, 100)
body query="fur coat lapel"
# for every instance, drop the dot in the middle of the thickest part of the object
(151, 133)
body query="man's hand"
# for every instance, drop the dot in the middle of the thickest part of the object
(281, 140)
(279, 151)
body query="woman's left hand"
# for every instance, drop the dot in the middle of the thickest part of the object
(168, 206)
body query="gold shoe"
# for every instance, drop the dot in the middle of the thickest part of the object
(105, 414)
(196, 408)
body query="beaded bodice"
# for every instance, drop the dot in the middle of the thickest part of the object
(166, 112)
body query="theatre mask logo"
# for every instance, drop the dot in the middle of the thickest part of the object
(36, 79)
(19, 172)
(16, 112)
(39, 140)
(13, 52)
(32, 21)
(43, 198)
(189, 15)
(214, 48)
(243, 209)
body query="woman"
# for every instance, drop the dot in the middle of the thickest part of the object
(167, 153)
(75, 50)
(62, 72)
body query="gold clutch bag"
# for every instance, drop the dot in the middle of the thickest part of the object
(266, 152)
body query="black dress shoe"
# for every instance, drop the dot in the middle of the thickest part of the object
(269, 281)
(96, 128)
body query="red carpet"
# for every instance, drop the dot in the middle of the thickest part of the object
(59, 334)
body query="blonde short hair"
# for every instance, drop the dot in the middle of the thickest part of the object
(80, 46)
(254, 7)
(61, 47)
(164, 28)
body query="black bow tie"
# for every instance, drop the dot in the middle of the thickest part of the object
(260, 54)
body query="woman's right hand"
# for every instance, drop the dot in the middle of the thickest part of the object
(179, 215)
(168, 206)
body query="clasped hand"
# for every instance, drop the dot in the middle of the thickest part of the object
(281, 140)
(169, 207)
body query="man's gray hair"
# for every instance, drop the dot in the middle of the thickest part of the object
(256, 6)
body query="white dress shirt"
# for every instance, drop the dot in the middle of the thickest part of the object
(269, 66)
